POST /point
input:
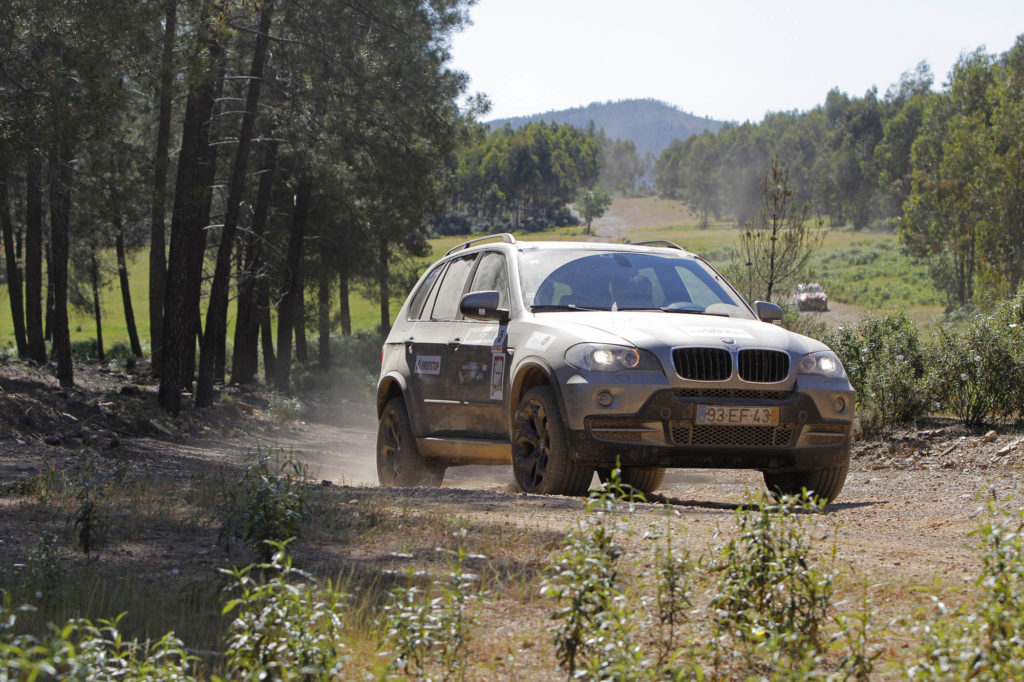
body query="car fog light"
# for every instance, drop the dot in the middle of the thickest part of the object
(604, 398)
(840, 405)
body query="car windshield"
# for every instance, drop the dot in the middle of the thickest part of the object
(589, 280)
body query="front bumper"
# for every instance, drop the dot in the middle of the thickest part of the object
(663, 433)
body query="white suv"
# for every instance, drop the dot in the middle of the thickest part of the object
(562, 358)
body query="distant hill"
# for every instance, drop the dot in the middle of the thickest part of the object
(652, 125)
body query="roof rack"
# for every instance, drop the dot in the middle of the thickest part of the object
(661, 242)
(504, 236)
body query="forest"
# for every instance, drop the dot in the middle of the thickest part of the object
(259, 153)
(251, 150)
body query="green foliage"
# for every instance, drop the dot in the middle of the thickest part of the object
(593, 634)
(977, 372)
(771, 602)
(285, 408)
(269, 505)
(985, 640)
(285, 627)
(424, 631)
(885, 361)
(44, 566)
(592, 203)
(83, 650)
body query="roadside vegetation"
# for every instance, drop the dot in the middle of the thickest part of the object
(620, 593)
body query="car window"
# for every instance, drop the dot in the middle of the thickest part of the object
(449, 291)
(492, 275)
(420, 297)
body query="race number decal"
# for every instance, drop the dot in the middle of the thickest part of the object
(497, 375)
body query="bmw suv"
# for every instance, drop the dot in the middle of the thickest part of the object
(566, 358)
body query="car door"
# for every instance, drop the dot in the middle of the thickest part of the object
(427, 349)
(476, 373)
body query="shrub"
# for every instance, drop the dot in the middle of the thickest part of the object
(977, 372)
(286, 627)
(83, 650)
(983, 641)
(771, 601)
(269, 505)
(885, 361)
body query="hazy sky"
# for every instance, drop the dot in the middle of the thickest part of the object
(731, 60)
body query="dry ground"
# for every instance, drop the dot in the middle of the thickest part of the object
(902, 523)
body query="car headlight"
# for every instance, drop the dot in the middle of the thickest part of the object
(603, 357)
(824, 363)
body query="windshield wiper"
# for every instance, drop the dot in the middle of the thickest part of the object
(561, 306)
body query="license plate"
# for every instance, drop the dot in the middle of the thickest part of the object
(737, 416)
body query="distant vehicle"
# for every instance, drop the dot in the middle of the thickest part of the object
(810, 296)
(565, 358)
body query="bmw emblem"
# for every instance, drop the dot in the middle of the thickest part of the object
(729, 341)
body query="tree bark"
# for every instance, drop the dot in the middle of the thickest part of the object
(94, 276)
(157, 228)
(190, 215)
(60, 222)
(217, 309)
(266, 334)
(299, 321)
(344, 309)
(13, 273)
(288, 306)
(245, 361)
(34, 258)
(324, 299)
(383, 275)
(126, 294)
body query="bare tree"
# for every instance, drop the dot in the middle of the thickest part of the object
(777, 243)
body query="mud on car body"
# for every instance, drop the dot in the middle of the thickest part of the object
(564, 358)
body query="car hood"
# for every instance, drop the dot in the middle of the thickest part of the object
(651, 329)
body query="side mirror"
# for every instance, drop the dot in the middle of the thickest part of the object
(483, 305)
(768, 312)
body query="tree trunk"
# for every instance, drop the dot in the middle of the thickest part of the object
(344, 310)
(188, 238)
(94, 276)
(217, 309)
(13, 273)
(324, 299)
(385, 293)
(245, 361)
(289, 299)
(126, 294)
(34, 258)
(299, 321)
(60, 222)
(266, 334)
(157, 227)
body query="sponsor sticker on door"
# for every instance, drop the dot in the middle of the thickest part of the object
(497, 375)
(427, 364)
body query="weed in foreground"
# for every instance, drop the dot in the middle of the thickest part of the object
(83, 650)
(44, 566)
(425, 632)
(284, 627)
(594, 619)
(772, 604)
(269, 506)
(983, 640)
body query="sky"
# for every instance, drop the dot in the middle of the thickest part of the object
(731, 60)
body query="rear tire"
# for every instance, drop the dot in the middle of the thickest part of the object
(540, 452)
(645, 479)
(823, 483)
(399, 462)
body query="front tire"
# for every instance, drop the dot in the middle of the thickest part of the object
(540, 452)
(824, 483)
(399, 462)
